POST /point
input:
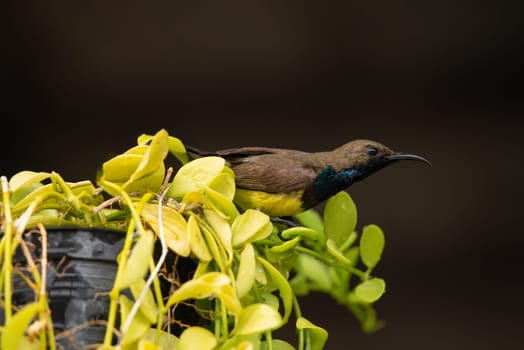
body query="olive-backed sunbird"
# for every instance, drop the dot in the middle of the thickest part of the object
(285, 182)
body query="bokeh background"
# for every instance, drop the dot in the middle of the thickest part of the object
(439, 78)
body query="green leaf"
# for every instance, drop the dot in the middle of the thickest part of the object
(246, 271)
(312, 219)
(257, 318)
(371, 245)
(304, 232)
(349, 241)
(340, 217)
(174, 225)
(314, 270)
(138, 262)
(287, 245)
(286, 293)
(270, 299)
(251, 226)
(17, 325)
(300, 285)
(196, 338)
(195, 175)
(317, 334)
(371, 290)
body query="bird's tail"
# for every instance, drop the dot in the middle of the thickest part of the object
(194, 152)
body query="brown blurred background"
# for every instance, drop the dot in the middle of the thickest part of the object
(437, 78)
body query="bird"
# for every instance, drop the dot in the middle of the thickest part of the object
(285, 182)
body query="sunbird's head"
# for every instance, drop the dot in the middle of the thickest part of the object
(369, 156)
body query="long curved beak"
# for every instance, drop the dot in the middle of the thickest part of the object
(406, 156)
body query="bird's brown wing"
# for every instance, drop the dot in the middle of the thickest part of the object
(272, 173)
(233, 153)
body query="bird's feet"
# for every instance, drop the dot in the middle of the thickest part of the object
(287, 222)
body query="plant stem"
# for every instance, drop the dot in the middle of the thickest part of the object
(217, 320)
(223, 316)
(8, 262)
(153, 268)
(43, 306)
(329, 261)
(298, 314)
(113, 295)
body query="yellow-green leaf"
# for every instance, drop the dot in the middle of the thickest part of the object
(246, 271)
(287, 245)
(176, 148)
(317, 334)
(312, 219)
(286, 293)
(120, 168)
(26, 178)
(251, 226)
(25, 182)
(195, 175)
(200, 199)
(371, 290)
(257, 318)
(277, 344)
(196, 240)
(340, 217)
(197, 338)
(139, 325)
(304, 232)
(138, 262)
(148, 306)
(316, 271)
(224, 206)
(174, 225)
(143, 139)
(222, 229)
(371, 245)
(14, 329)
(336, 253)
(46, 192)
(224, 183)
(165, 340)
(153, 159)
(211, 283)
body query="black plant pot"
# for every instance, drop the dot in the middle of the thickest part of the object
(81, 270)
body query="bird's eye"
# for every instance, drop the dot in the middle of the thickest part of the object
(372, 151)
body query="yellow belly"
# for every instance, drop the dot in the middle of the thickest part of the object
(270, 203)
